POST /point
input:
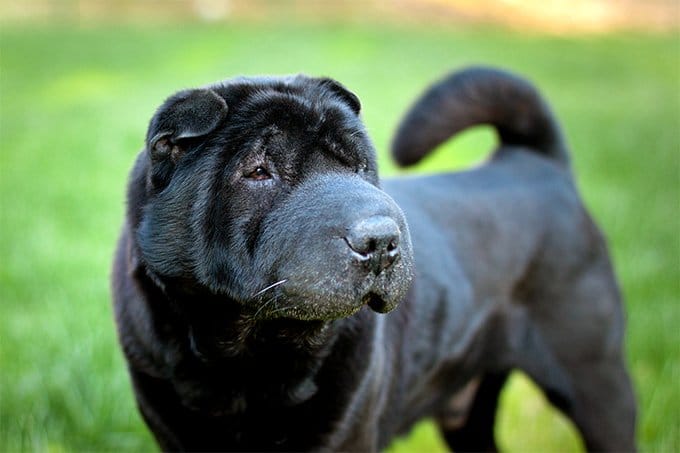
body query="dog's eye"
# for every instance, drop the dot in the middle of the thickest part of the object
(259, 174)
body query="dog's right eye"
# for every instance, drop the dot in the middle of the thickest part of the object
(258, 174)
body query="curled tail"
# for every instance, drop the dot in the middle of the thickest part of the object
(479, 96)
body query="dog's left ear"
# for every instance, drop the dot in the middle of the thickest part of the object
(187, 114)
(339, 90)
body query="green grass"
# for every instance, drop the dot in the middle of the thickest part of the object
(74, 103)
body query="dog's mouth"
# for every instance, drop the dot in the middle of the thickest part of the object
(278, 301)
(375, 302)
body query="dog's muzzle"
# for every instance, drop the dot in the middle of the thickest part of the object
(339, 243)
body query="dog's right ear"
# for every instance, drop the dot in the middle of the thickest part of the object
(342, 92)
(186, 115)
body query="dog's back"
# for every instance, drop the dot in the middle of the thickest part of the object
(511, 268)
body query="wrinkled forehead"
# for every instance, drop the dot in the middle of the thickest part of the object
(288, 102)
(298, 116)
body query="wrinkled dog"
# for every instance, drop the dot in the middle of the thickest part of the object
(272, 294)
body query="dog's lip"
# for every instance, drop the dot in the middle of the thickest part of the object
(286, 297)
(304, 308)
(286, 301)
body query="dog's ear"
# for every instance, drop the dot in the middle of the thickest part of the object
(343, 93)
(186, 115)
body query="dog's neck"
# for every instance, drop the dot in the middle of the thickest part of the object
(224, 341)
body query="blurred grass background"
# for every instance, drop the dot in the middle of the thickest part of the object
(74, 103)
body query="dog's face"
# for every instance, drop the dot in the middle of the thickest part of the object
(266, 191)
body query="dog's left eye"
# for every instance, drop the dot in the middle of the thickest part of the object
(258, 174)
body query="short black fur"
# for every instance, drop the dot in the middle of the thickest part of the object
(271, 296)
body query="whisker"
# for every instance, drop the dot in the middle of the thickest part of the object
(273, 285)
(269, 302)
(281, 309)
(287, 307)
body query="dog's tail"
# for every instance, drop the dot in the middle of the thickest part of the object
(479, 96)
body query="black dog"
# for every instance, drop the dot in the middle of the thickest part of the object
(257, 234)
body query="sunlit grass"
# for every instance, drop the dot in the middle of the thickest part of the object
(73, 110)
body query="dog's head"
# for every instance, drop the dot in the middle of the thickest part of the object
(266, 191)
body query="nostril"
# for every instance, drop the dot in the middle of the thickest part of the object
(375, 241)
(372, 246)
(363, 252)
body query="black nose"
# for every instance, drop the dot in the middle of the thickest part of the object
(375, 242)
